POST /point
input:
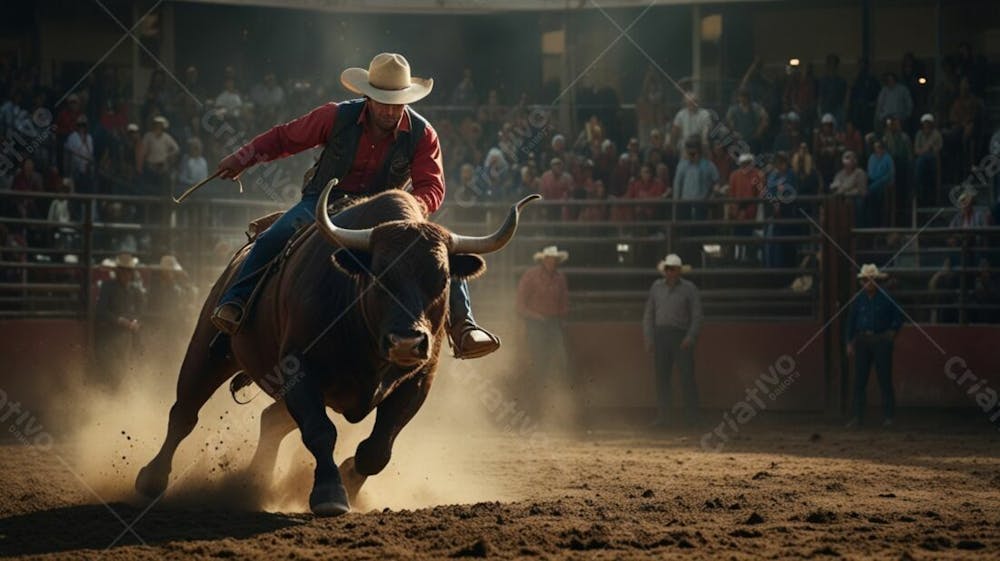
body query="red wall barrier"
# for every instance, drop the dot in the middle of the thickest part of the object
(921, 362)
(39, 356)
(730, 359)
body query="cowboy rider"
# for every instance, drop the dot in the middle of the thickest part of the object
(371, 144)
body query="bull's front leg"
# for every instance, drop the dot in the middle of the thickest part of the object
(394, 413)
(306, 404)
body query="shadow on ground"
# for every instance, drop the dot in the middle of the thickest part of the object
(95, 526)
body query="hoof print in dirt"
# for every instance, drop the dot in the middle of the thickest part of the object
(479, 548)
(970, 545)
(744, 533)
(821, 517)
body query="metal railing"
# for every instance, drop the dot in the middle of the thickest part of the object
(612, 265)
(937, 274)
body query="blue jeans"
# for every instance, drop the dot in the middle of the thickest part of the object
(868, 350)
(267, 245)
(548, 369)
(460, 302)
(273, 240)
(667, 353)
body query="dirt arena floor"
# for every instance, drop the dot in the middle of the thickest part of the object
(480, 474)
(781, 491)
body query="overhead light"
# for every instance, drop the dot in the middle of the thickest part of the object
(793, 62)
(922, 81)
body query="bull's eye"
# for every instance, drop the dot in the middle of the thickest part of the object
(434, 284)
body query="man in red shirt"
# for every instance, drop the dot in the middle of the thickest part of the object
(746, 182)
(543, 302)
(371, 145)
(556, 184)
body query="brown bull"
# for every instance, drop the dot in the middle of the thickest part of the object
(358, 334)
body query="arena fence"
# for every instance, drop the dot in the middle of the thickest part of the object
(763, 268)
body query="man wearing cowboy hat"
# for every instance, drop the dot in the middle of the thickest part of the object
(371, 145)
(171, 293)
(119, 304)
(872, 326)
(543, 302)
(670, 326)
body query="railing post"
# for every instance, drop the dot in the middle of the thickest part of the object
(963, 280)
(197, 269)
(672, 230)
(87, 279)
(167, 220)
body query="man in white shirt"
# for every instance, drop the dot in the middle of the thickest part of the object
(80, 156)
(194, 168)
(691, 121)
(156, 151)
(229, 99)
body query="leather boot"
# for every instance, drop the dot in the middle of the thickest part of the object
(468, 340)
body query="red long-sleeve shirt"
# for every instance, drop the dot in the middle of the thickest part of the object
(746, 183)
(543, 293)
(313, 129)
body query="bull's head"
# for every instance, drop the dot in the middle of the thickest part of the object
(410, 262)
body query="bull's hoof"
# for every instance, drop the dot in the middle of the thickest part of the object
(151, 483)
(352, 479)
(329, 499)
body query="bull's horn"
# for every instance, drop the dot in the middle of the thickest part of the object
(495, 241)
(340, 237)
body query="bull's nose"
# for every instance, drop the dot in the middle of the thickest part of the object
(408, 348)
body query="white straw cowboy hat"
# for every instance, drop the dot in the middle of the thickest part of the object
(672, 260)
(169, 263)
(387, 80)
(121, 261)
(870, 271)
(551, 251)
(966, 198)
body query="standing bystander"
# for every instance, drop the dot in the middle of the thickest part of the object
(670, 326)
(872, 326)
(543, 302)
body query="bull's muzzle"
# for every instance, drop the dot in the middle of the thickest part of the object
(407, 349)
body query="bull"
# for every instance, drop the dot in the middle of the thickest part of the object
(363, 333)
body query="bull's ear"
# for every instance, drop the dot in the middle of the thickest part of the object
(354, 263)
(466, 265)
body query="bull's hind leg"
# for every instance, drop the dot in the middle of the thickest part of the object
(306, 404)
(394, 413)
(202, 372)
(275, 424)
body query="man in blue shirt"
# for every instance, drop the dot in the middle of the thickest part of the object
(881, 176)
(872, 326)
(780, 192)
(694, 180)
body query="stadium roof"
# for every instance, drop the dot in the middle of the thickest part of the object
(454, 6)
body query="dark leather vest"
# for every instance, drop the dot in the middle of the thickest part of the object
(342, 145)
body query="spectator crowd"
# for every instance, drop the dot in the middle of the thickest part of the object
(880, 142)
(884, 142)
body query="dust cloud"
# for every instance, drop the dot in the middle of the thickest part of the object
(440, 458)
